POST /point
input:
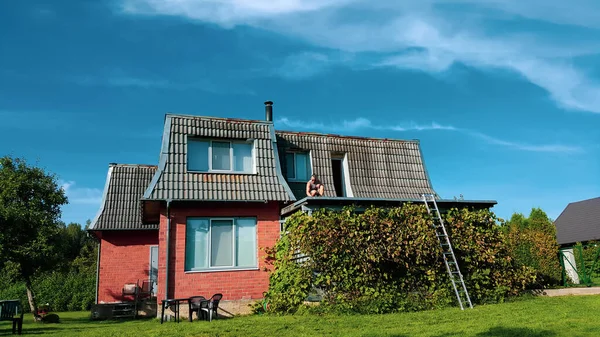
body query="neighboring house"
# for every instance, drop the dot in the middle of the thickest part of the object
(579, 222)
(127, 246)
(220, 192)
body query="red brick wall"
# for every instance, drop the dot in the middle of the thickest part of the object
(124, 258)
(234, 285)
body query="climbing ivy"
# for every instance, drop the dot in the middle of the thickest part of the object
(387, 260)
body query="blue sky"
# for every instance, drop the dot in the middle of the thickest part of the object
(504, 95)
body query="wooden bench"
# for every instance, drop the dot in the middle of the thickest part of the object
(12, 311)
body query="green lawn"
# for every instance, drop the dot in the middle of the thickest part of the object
(558, 316)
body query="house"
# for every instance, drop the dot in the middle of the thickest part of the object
(579, 222)
(220, 192)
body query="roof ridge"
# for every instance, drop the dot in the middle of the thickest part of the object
(332, 135)
(226, 119)
(132, 165)
(584, 200)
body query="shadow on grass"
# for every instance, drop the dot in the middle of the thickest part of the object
(501, 331)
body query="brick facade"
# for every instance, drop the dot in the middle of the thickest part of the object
(124, 258)
(234, 285)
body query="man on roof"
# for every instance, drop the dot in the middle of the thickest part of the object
(314, 187)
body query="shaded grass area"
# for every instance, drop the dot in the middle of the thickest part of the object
(547, 316)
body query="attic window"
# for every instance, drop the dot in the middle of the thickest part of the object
(220, 156)
(298, 166)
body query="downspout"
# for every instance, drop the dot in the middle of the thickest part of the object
(168, 238)
(98, 270)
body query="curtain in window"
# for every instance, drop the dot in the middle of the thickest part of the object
(301, 166)
(291, 168)
(221, 243)
(196, 242)
(197, 158)
(246, 242)
(242, 157)
(221, 159)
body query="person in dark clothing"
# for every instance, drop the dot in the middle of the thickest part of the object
(314, 187)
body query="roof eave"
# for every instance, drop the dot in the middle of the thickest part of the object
(348, 201)
(164, 152)
(103, 202)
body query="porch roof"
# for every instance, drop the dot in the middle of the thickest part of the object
(321, 202)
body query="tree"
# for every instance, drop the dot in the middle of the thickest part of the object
(532, 241)
(30, 231)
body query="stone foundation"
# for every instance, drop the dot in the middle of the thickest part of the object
(226, 309)
(571, 291)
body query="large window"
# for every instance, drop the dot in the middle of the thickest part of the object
(298, 166)
(220, 156)
(220, 243)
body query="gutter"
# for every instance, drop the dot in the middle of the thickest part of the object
(168, 238)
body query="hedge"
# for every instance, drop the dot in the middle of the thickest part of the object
(388, 260)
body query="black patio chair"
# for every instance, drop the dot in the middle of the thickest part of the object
(210, 307)
(194, 304)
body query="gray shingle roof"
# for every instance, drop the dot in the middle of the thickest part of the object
(121, 208)
(172, 181)
(378, 168)
(579, 222)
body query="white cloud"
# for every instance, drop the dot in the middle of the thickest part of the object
(81, 195)
(426, 35)
(303, 65)
(365, 124)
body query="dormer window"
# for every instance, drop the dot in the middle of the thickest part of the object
(220, 156)
(298, 166)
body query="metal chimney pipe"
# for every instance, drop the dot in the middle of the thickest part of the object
(269, 111)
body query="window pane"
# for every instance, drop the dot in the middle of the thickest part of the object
(301, 166)
(220, 156)
(221, 243)
(245, 242)
(291, 168)
(196, 244)
(242, 157)
(197, 155)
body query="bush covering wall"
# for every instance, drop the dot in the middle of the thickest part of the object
(389, 260)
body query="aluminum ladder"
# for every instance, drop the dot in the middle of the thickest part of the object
(462, 295)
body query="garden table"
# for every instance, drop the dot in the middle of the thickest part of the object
(174, 302)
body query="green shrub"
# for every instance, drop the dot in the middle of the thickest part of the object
(63, 291)
(388, 260)
(532, 243)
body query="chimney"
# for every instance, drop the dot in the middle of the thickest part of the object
(269, 111)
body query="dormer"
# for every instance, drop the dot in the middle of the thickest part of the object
(216, 159)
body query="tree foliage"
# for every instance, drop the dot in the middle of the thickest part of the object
(386, 260)
(71, 285)
(532, 242)
(30, 201)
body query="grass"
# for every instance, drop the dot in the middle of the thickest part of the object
(545, 316)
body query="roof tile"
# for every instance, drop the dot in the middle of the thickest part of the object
(121, 208)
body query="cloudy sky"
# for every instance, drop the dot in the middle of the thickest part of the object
(504, 95)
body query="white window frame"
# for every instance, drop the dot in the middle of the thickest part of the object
(308, 164)
(346, 186)
(231, 163)
(209, 245)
